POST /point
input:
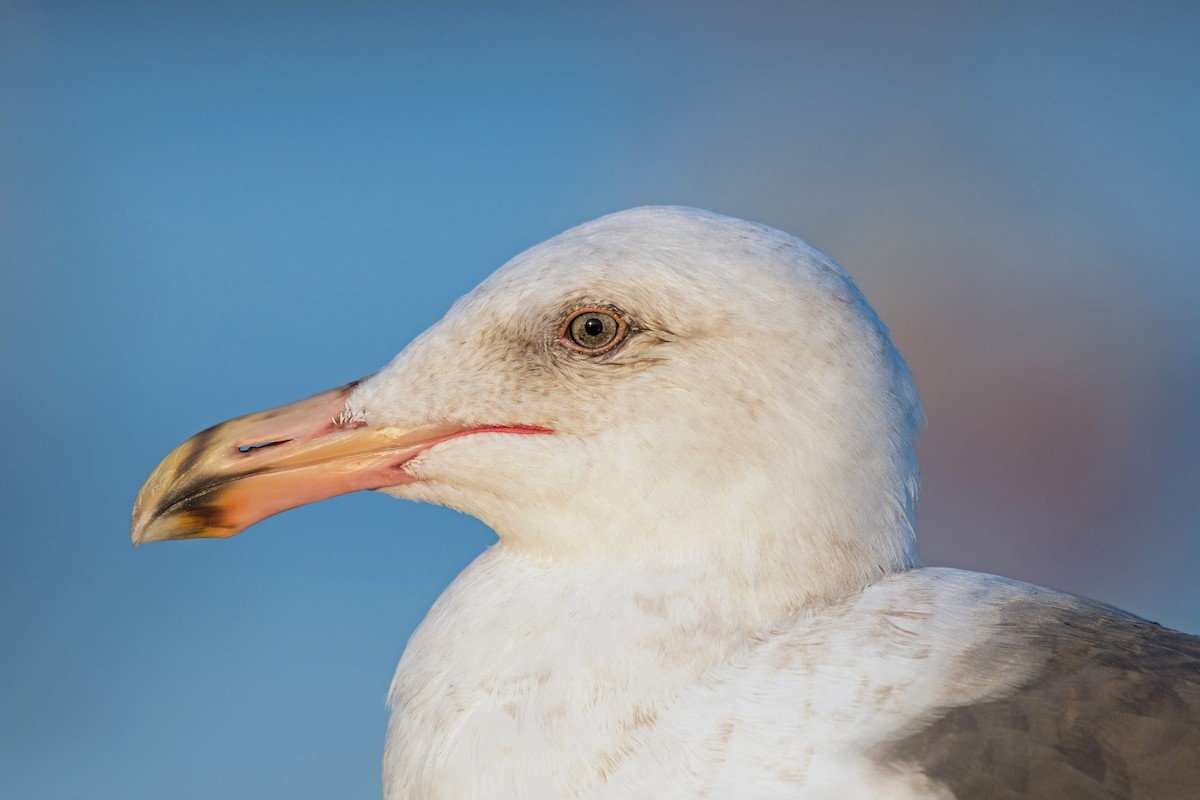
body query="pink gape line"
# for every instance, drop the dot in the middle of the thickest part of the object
(520, 429)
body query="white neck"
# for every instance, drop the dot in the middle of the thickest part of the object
(533, 671)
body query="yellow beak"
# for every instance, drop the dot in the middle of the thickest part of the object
(232, 475)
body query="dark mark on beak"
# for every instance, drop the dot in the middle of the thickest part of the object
(196, 496)
(250, 448)
(198, 445)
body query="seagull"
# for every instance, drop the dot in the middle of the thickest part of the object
(695, 442)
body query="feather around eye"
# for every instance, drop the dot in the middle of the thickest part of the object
(593, 330)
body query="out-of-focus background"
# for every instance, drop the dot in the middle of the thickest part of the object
(208, 209)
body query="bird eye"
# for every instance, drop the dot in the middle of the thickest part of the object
(593, 330)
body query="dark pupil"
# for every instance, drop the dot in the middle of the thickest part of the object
(593, 326)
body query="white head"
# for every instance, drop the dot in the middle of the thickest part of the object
(754, 414)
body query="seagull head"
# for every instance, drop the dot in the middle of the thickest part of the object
(659, 387)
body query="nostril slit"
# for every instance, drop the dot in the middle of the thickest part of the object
(250, 448)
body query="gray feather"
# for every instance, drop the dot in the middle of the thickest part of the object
(1113, 711)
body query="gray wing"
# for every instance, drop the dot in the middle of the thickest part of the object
(1113, 711)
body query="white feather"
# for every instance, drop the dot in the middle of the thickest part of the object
(676, 605)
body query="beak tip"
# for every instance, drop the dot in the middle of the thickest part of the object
(139, 522)
(143, 529)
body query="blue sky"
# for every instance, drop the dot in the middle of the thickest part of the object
(212, 209)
